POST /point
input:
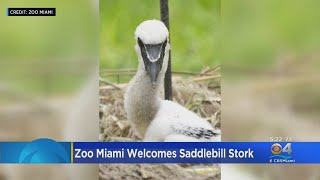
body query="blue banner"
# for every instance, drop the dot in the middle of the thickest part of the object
(39, 151)
(206, 152)
(49, 151)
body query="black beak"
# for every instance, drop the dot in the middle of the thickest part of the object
(153, 70)
(152, 55)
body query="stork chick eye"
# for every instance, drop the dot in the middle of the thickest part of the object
(141, 44)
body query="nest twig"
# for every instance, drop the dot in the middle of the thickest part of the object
(204, 78)
(109, 83)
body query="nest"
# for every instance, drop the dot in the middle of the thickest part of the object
(200, 93)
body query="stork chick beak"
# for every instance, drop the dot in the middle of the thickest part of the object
(153, 70)
(153, 61)
(152, 55)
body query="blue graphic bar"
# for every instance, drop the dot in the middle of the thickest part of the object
(44, 151)
(40, 151)
(206, 152)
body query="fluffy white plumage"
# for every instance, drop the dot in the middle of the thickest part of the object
(152, 118)
(152, 32)
(172, 116)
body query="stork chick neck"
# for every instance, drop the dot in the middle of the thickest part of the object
(143, 100)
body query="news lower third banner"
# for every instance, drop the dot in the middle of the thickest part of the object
(46, 151)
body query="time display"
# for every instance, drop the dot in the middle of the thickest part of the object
(278, 139)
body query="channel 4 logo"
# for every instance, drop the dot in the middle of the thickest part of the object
(281, 154)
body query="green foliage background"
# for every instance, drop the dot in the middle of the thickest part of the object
(194, 29)
(47, 55)
(259, 34)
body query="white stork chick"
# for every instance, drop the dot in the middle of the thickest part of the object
(152, 118)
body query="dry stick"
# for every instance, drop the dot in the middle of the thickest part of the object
(207, 77)
(203, 170)
(185, 73)
(117, 73)
(110, 83)
(114, 73)
(108, 87)
(213, 69)
(202, 78)
(118, 70)
(216, 68)
(120, 139)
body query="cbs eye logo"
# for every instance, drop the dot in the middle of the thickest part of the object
(277, 148)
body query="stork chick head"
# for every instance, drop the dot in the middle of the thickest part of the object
(152, 37)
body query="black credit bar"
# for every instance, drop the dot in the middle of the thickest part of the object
(31, 12)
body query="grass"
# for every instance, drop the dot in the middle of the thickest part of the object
(194, 28)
